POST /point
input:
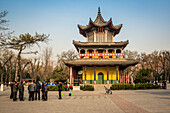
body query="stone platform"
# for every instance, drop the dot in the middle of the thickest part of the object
(126, 101)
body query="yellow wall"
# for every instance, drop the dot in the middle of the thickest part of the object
(90, 73)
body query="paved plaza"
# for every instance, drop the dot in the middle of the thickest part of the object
(125, 101)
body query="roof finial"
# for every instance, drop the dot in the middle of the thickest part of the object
(98, 9)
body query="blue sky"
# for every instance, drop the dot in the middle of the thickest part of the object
(145, 22)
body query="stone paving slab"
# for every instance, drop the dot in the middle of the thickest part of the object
(125, 101)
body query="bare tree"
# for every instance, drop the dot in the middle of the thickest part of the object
(131, 70)
(164, 57)
(2, 66)
(152, 62)
(21, 43)
(34, 67)
(9, 65)
(4, 30)
(63, 71)
(47, 63)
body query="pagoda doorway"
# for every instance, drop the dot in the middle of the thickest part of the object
(100, 78)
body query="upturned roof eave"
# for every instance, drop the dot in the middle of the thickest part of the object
(101, 63)
(109, 24)
(101, 43)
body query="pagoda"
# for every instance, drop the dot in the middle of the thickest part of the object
(100, 58)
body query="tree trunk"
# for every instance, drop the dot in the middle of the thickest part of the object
(10, 73)
(18, 64)
(16, 70)
(1, 72)
(6, 76)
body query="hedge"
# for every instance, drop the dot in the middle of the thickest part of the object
(135, 87)
(55, 87)
(87, 88)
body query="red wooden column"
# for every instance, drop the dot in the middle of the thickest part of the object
(131, 79)
(128, 77)
(125, 77)
(117, 74)
(94, 74)
(71, 74)
(85, 73)
(120, 76)
(107, 74)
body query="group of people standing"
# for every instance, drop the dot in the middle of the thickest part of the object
(33, 90)
(15, 86)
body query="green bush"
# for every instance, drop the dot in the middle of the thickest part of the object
(55, 87)
(128, 86)
(87, 88)
(81, 87)
(157, 87)
(121, 86)
(137, 86)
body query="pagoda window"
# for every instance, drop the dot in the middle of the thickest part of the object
(82, 52)
(100, 51)
(90, 51)
(118, 51)
(100, 29)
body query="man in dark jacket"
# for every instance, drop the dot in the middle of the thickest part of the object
(42, 91)
(60, 89)
(14, 89)
(21, 91)
(45, 92)
(38, 87)
(31, 89)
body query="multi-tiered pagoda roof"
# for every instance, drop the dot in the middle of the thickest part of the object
(100, 22)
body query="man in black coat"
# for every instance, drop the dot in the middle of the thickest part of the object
(15, 91)
(45, 92)
(38, 85)
(21, 91)
(60, 89)
(42, 91)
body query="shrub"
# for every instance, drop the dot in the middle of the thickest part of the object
(128, 86)
(137, 86)
(55, 87)
(157, 87)
(81, 87)
(87, 88)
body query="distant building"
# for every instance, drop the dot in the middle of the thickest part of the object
(101, 59)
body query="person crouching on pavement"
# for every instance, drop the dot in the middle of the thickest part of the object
(45, 92)
(21, 91)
